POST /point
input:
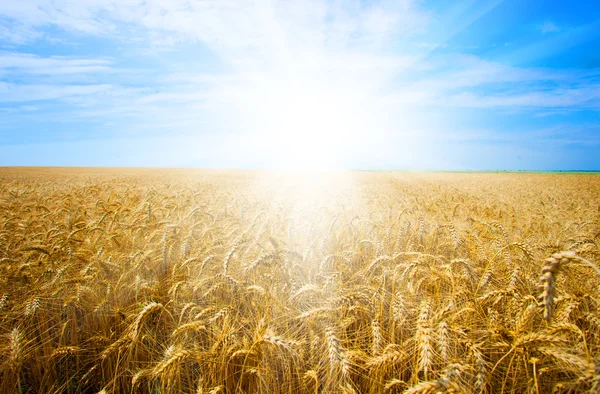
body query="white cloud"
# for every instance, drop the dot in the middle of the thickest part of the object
(15, 33)
(24, 63)
(549, 27)
(23, 93)
(231, 27)
(67, 14)
(469, 81)
(583, 97)
(316, 39)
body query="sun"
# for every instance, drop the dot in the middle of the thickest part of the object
(304, 125)
(308, 132)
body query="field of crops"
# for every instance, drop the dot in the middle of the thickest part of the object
(168, 281)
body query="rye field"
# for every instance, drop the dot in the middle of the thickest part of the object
(206, 281)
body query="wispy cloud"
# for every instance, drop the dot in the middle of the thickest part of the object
(549, 27)
(579, 98)
(25, 63)
(29, 93)
(470, 81)
(14, 32)
(337, 44)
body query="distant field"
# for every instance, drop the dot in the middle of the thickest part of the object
(216, 281)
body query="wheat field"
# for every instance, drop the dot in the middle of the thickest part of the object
(198, 281)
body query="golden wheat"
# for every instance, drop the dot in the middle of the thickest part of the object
(169, 281)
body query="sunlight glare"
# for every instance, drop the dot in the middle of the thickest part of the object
(305, 126)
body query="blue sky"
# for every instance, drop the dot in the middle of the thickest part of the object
(404, 84)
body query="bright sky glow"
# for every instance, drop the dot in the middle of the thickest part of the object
(311, 84)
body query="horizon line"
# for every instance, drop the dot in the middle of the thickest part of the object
(309, 170)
